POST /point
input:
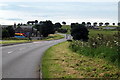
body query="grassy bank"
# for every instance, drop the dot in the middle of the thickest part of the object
(60, 62)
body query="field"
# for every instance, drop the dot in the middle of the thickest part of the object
(104, 32)
(109, 26)
(93, 32)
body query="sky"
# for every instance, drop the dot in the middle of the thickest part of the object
(70, 11)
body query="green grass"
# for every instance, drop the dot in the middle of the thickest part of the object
(108, 26)
(60, 62)
(66, 27)
(54, 37)
(104, 32)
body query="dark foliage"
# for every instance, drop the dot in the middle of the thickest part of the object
(100, 24)
(11, 31)
(5, 33)
(83, 23)
(8, 32)
(88, 24)
(45, 28)
(119, 24)
(57, 26)
(36, 21)
(113, 23)
(95, 24)
(64, 22)
(79, 32)
(106, 23)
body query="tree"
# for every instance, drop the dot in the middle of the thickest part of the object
(45, 28)
(5, 33)
(18, 24)
(32, 22)
(83, 23)
(11, 31)
(79, 32)
(73, 25)
(113, 24)
(64, 23)
(36, 21)
(88, 24)
(57, 26)
(95, 24)
(106, 23)
(119, 24)
(100, 24)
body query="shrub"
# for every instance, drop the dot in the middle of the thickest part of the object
(79, 32)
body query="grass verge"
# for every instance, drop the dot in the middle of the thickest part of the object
(60, 62)
(13, 41)
(50, 37)
(54, 37)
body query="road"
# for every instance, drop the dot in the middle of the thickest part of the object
(23, 60)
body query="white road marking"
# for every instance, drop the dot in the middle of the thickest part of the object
(10, 52)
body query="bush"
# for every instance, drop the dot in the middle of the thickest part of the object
(79, 32)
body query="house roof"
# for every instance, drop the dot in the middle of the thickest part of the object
(29, 27)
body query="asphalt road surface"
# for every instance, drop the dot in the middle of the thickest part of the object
(23, 60)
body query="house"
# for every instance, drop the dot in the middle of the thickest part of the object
(28, 30)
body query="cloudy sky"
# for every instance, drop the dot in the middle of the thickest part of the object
(20, 11)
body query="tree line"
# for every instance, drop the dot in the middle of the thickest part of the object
(78, 31)
(43, 27)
